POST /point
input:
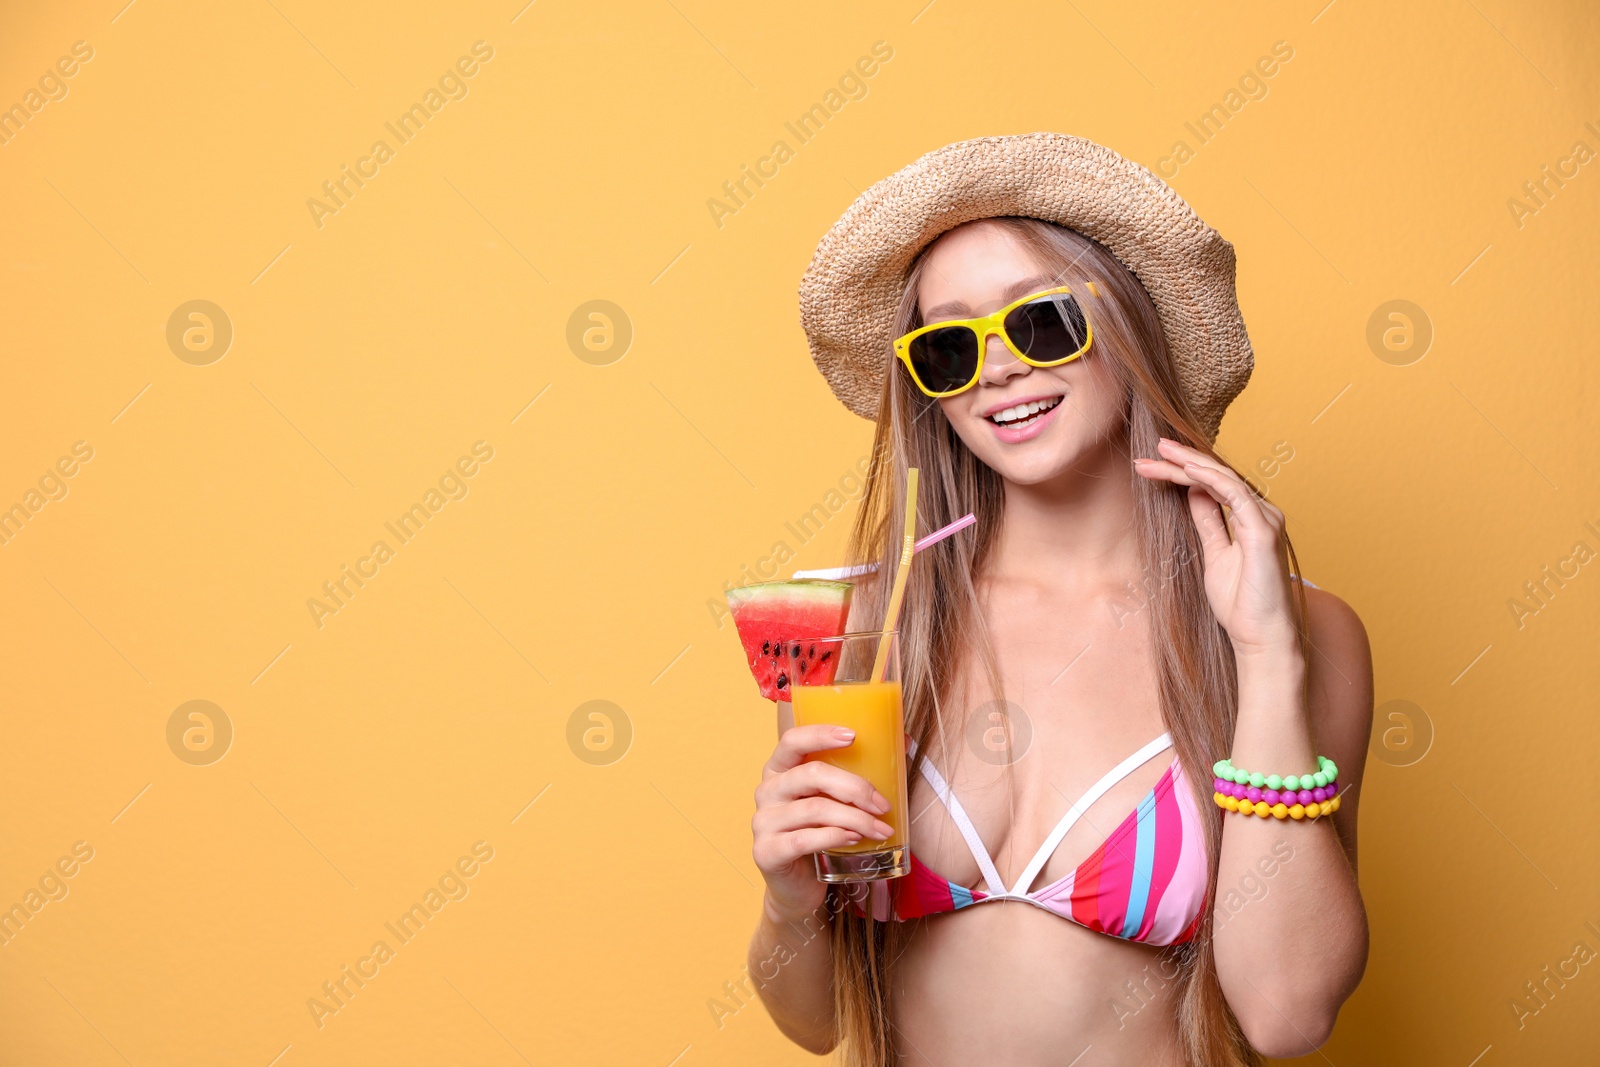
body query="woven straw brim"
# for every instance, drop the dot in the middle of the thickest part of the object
(849, 293)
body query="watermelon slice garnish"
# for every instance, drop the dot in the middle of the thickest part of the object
(776, 619)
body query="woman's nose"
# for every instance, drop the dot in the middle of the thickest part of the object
(999, 364)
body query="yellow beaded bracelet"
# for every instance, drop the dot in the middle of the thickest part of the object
(1279, 810)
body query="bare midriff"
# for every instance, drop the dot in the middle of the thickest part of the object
(1007, 982)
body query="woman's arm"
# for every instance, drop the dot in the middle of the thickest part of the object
(791, 960)
(803, 807)
(1291, 948)
(1288, 955)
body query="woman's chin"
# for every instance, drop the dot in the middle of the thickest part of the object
(1065, 443)
(1040, 461)
(1036, 469)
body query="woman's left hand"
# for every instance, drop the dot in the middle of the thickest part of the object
(1247, 574)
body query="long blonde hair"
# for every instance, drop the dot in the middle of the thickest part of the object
(942, 617)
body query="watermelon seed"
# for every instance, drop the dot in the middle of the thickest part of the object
(783, 681)
(766, 648)
(825, 656)
(795, 652)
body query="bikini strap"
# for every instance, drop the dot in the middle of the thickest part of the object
(1082, 804)
(958, 815)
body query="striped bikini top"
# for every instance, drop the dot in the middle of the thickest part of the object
(1146, 882)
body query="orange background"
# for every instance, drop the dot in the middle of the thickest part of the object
(434, 710)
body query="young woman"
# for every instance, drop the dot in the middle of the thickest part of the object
(1124, 615)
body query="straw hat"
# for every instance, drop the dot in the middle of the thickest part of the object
(849, 293)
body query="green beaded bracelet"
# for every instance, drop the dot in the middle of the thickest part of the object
(1325, 773)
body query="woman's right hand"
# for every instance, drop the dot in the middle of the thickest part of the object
(803, 808)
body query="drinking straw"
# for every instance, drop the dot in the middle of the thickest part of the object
(923, 542)
(907, 550)
(945, 531)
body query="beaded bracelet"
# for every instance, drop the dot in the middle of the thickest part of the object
(1324, 774)
(1295, 797)
(1304, 797)
(1279, 810)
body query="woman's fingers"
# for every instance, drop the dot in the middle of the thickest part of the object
(1249, 510)
(1186, 470)
(818, 811)
(1229, 489)
(1211, 486)
(778, 852)
(798, 742)
(1203, 507)
(1161, 470)
(787, 832)
(1209, 521)
(821, 779)
(805, 806)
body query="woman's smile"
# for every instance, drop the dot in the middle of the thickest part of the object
(1016, 421)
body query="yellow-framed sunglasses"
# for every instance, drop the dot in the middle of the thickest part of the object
(1043, 329)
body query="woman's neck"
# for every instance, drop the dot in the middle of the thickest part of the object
(1076, 529)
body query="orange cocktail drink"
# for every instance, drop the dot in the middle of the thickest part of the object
(848, 695)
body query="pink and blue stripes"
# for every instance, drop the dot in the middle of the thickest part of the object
(1146, 881)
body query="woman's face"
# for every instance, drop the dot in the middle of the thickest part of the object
(977, 268)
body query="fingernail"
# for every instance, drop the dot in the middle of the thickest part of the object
(879, 803)
(881, 830)
(852, 839)
(844, 733)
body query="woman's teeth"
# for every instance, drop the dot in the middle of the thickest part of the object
(1023, 414)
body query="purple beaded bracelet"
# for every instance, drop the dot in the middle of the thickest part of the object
(1275, 796)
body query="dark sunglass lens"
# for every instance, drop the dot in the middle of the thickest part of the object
(945, 359)
(1048, 329)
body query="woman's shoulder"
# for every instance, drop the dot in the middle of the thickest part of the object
(1330, 619)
